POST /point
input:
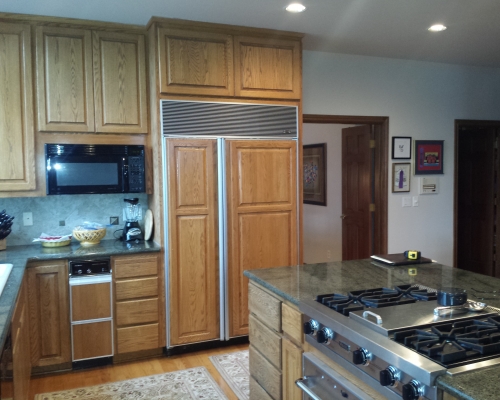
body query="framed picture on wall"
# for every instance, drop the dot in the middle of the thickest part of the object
(401, 177)
(401, 148)
(314, 174)
(428, 157)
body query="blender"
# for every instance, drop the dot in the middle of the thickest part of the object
(132, 230)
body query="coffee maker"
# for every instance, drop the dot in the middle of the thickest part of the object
(132, 231)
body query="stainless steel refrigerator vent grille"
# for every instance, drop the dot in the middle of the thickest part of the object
(228, 119)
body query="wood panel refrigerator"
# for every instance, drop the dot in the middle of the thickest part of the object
(230, 206)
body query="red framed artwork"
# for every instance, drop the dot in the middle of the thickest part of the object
(428, 157)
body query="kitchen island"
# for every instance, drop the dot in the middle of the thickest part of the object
(297, 283)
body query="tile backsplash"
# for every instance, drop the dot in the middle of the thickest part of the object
(72, 209)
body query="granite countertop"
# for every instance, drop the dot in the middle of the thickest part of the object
(20, 255)
(301, 282)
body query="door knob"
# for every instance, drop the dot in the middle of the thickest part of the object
(343, 216)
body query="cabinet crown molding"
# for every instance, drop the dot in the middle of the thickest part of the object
(236, 30)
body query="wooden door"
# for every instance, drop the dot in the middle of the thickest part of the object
(120, 83)
(262, 215)
(356, 192)
(267, 68)
(17, 136)
(65, 93)
(196, 62)
(193, 238)
(49, 322)
(475, 213)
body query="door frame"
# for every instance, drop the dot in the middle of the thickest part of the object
(463, 123)
(381, 125)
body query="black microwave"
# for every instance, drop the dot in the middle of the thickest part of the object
(86, 168)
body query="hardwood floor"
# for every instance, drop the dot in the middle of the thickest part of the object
(130, 370)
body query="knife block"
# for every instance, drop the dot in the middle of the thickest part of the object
(3, 244)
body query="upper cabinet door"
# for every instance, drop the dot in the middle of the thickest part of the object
(16, 109)
(197, 63)
(267, 68)
(120, 83)
(65, 95)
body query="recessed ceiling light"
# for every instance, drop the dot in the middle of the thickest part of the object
(437, 28)
(295, 8)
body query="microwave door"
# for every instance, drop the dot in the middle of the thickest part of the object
(85, 175)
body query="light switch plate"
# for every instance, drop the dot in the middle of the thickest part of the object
(415, 201)
(406, 201)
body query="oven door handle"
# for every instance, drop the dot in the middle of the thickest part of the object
(300, 383)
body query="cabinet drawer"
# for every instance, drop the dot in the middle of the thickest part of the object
(267, 307)
(137, 338)
(135, 266)
(265, 340)
(256, 391)
(137, 312)
(291, 323)
(265, 373)
(135, 288)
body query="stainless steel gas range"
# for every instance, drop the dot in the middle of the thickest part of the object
(392, 341)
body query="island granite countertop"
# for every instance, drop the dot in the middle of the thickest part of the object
(301, 282)
(20, 255)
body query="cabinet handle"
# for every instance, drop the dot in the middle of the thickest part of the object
(343, 216)
(300, 383)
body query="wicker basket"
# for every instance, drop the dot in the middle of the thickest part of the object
(88, 237)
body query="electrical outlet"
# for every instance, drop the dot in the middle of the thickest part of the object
(27, 218)
(328, 254)
(62, 223)
(114, 220)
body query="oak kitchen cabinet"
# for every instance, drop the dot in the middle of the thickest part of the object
(138, 303)
(222, 60)
(90, 81)
(275, 346)
(19, 358)
(48, 299)
(17, 149)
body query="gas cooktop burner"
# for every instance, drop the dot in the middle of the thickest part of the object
(455, 344)
(375, 298)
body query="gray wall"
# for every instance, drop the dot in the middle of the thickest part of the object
(73, 209)
(422, 100)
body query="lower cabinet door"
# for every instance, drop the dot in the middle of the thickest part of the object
(292, 370)
(92, 340)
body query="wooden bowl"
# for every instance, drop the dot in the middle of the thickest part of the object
(88, 237)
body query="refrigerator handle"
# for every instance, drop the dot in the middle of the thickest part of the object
(223, 294)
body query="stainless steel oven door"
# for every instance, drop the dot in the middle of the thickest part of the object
(321, 382)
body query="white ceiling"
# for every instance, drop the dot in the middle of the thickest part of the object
(385, 28)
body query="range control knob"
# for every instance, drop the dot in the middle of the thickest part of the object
(79, 272)
(324, 335)
(412, 390)
(311, 326)
(361, 356)
(89, 271)
(389, 376)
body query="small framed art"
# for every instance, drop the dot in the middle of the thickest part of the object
(428, 157)
(401, 148)
(314, 168)
(401, 177)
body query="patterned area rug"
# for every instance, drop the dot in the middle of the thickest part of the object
(190, 384)
(235, 370)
